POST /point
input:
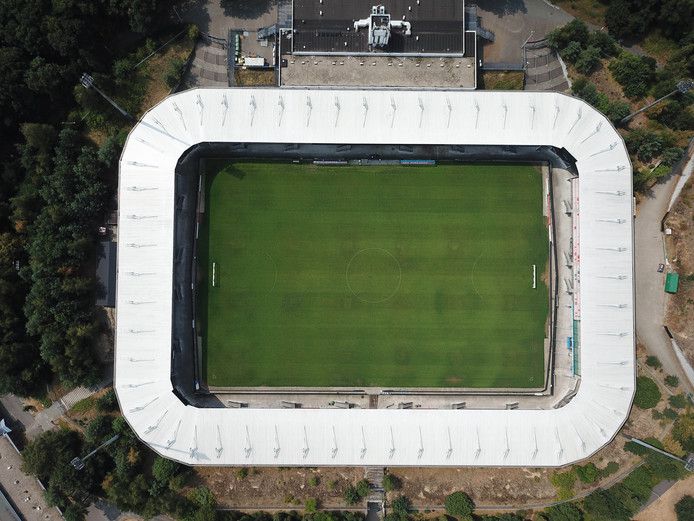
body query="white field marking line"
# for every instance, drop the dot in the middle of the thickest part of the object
(214, 274)
(397, 287)
(534, 276)
(472, 274)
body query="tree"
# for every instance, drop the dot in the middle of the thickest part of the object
(363, 488)
(606, 505)
(647, 393)
(588, 60)
(654, 362)
(401, 505)
(574, 31)
(603, 41)
(572, 51)
(587, 473)
(684, 509)
(634, 73)
(351, 496)
(311, 505)
(564, 512)
(672, 381)
(678, 401)
(629, 18)
(459, 504)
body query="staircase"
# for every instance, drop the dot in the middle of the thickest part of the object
(374, 475)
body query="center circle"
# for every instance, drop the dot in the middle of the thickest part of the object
(373, 275)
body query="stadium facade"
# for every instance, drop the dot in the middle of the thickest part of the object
(158, 400)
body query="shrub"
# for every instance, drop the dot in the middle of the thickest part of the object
(604, 42)
(401, 505)
(351, 496)
(654, 362)
(672, 381)
(640, 450)
(311, 505)
(587, 473)
(678, 401)
(671, 155)
(670, 414)
(605, 504)
(564, 482)
(391, 483)
(173, 72)
(634, 73)
(459, 504)
(571, 52)
(564, 512)
(684, 509)
(588, 60)
(107, 402)
(313, 481)
(363, 488)
(574, 31)
(683, 431)
(609, 469)
(242, 473)
(647, 393)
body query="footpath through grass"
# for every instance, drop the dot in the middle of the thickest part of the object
(385, 276)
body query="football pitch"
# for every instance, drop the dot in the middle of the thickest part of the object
(387, 276)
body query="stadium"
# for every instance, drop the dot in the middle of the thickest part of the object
(288, 257)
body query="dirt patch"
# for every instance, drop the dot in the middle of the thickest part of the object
(663, 509)
(156, 67)
(255, 78)
(680, 249)
(502, 80)
(258, 488)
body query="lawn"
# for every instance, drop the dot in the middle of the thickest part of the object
(388, 276)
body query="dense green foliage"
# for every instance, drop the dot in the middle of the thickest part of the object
(563, 512)
(579, 46)
(459, 504)
(647, 393)
(633, 19)
(391, 482)
(363, 251)
(615, 110)
(355, 493)
(53, 193)
(634, 73)
(672, 381)
(654, 362)
(683, 431)
(684, 509)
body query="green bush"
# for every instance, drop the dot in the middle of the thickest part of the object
(351, 496)
(107, 402)
(574, 31)
(172, 75)
(654, 362)
(390, 483)
(401, 505)
(363, 488)
(311, 505)
(563, 512)
(647, 393)
(587, 473)
(634, 73)
(670, 414)
(672, 381)
(604, 42)
(609, 469)
(640, 450)
(313, 481)
(459, 504)
(564, 482)
(684, 509)
(683, 431)
(678, 401)
(571, 52)
(242, 473)
(588, 60)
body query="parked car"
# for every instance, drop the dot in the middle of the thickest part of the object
(661, 268)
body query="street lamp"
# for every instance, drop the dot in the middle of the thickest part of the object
(78, 462)
(682, 87)
(87, 82)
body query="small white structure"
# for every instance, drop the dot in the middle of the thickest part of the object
(380, 24)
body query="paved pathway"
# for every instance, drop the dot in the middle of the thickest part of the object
(24, 491)
(650, 297)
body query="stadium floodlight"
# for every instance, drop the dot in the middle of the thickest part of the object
(87, 82)
(421, 111)
(579, 115)
(276, 449)
(682, 87)
(309, 109)
(450, 111)
(199, 103)
(219, 448)
(394, 107)
(337, 109)
(365, 106)
(334, 450)
(4, 429)
(280, 104)
(78, 463)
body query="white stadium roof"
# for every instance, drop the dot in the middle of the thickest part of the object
(416, 437)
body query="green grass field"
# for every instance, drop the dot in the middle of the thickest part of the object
(386, 276)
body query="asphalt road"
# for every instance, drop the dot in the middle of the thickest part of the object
(650, 296)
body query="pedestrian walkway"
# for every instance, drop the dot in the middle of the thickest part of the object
(544, 71)
(209, 66)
